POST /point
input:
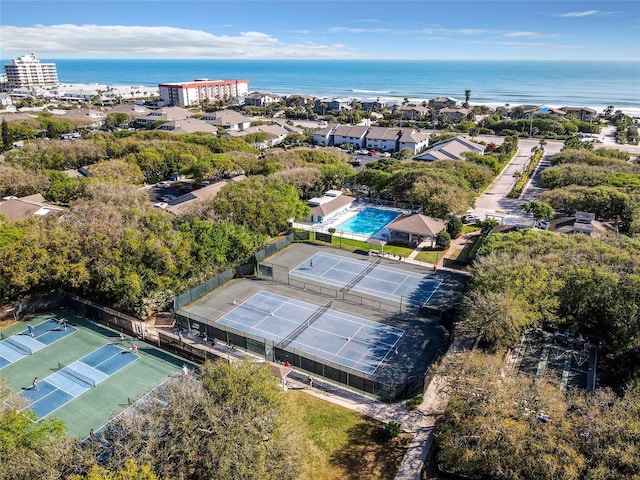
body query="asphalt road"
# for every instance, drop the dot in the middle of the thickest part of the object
(494, 198)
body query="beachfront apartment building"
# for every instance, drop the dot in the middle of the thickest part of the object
(185, 94)
(28, 71)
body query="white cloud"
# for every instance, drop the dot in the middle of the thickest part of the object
(523, 34)
(584, 13)
(301, 32)
(118, 41)
(359, 30)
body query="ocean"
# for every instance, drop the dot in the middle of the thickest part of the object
(595, 84)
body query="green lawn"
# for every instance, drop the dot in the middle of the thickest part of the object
(430, 256)
(340, 443)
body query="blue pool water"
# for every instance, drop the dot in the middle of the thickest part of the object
(368, 221)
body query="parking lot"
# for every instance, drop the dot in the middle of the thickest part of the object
(167, 191)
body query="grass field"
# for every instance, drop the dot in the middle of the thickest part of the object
(342, 444)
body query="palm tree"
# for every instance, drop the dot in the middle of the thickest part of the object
(467, 96)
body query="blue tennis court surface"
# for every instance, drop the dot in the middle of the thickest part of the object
(339, 337)
(18, 346)
(368, 277)
(75, 379)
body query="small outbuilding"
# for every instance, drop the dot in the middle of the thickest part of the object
(415, 229)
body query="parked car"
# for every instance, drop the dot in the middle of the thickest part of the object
(161, 205)
(163, 184)
(362, 152)
(385, 155)
(372, 153)
(470, 220)
(356, 162)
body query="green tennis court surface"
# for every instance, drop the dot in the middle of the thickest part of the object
(118, 380)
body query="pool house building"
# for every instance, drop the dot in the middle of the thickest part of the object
(415, 229)
(329, 207)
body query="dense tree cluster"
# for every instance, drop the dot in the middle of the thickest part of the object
(512, 427)
(549, 126)
(532, 278)
(113, 245)
(603, 182)
(441, 187)
(228, 425)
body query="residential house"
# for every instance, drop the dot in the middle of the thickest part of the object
(584, 114)
(332, 104)
(451, 149)
(354, 136)
(325, 135)
(187, 125)
(227, 119)
(184, 203)
(439, 103)
(87, 116)
(132, 110)
(413, 113)
(416, 142)
(372, 104)
(275, 132)
(455, 115)
(259, 99)
(22, 208)
(326, 208)
(383, 139)
(415, 229)
(165, 114)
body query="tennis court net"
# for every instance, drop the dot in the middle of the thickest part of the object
(256, 309)
(304, 325)
(76, 376)
(24, 349)
(360, 276)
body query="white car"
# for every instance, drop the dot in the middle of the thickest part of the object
(161, 205)
(163, 184)
(362, 152)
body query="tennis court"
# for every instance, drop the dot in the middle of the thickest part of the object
(71, 381)
(18, 346)
(339, 337)
(119, 377)
(572, 363)
(368, 277)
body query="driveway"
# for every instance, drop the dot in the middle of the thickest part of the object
(494, 198)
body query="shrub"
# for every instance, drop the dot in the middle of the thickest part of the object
(392, 429)
(443, 239)
(415, 402)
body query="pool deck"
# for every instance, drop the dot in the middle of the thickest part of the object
(344, 216)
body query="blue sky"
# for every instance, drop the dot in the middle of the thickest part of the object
(331, 29)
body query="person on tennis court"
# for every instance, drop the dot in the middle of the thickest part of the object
(185, 370)
(310, 264)
(310, 381)
(30, 329)
(35, 383)
(92, 435)
(134, 348)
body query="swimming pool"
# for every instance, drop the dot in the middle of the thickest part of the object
(369, 221)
